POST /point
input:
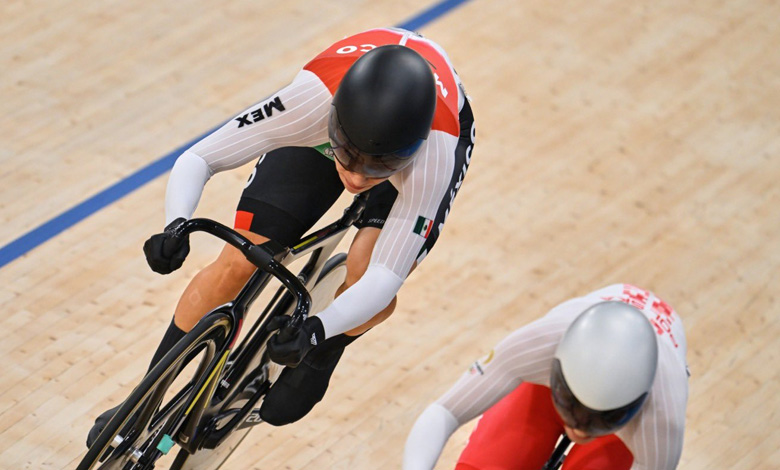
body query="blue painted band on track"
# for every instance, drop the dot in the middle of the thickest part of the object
(432, 13)
(76, 214)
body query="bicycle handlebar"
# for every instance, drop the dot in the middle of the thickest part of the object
(268, 255)
(263, 256)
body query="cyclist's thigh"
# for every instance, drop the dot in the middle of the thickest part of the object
(517, 433)
(360, 253)
(604, 453)
(289, 190)
(231, 259)
(380, 200)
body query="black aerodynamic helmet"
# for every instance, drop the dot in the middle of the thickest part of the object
(382, 111)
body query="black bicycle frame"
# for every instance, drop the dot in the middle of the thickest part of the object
(269, 258)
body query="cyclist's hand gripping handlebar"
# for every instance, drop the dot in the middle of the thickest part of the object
(165, 252)
(291, 344)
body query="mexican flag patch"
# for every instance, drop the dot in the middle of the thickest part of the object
(423, 226)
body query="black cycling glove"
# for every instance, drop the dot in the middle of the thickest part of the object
(166, 253)
(295, 343)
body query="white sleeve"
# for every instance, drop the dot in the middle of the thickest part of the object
(655, 436)
(297, 115)
(358, 304)
(421, 190)
(428, 436)
(185, 185)
(523, 356)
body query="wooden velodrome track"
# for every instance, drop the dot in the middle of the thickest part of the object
(617, 141)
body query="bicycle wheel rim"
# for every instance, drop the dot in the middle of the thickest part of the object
(323, 292)
(213, 328)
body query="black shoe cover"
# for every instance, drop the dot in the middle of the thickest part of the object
(297, 390)
(100, 423)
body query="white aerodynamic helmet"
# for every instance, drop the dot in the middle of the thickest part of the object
(604, 367)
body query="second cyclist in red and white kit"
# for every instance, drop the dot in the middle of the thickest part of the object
(608, 369)
(382, 111)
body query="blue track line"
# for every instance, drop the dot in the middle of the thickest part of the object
(432, 13)
(122, 188)
(76, 214)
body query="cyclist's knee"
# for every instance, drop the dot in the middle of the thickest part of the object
(356, 267)
(231, 267)
(375, 320)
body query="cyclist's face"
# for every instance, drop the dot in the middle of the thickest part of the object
(355, 182)
(576, 436)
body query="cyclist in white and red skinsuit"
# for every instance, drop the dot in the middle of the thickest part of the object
(520, 425)
(293, 184)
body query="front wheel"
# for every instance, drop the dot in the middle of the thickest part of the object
(330, 279)
(131, 439)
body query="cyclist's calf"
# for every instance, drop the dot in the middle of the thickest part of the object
(215, 284)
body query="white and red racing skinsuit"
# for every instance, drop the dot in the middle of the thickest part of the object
(297, 115)
(654, 436)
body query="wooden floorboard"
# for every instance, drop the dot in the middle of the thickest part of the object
(616, 141)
